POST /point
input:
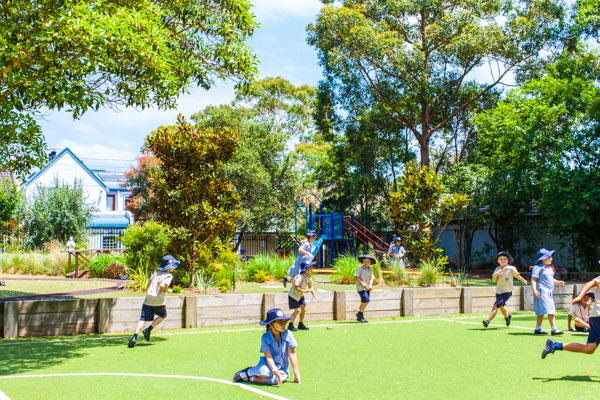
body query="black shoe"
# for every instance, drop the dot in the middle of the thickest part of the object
(507, 319)
(485, 323)
(539, 332)
(131, 343)
(302, 327)
(285, 281)
(242, 375)
(146, 334)
(556, 332)
(360, 317)
(548, 348)
(292, 328)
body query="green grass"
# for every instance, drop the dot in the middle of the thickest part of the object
(428, 358)
(27, 287)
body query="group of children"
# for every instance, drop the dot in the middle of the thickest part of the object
(278, 343)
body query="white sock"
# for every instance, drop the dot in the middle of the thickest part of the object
(538, 328)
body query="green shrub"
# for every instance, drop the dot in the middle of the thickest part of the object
(224, 285)
(146, 245)
(261, 276)
(431, 272)
(115, 271)
(33, 263)
(345, 267)
(176, 289)
(204, 280)
(98, 264)
(398, 272)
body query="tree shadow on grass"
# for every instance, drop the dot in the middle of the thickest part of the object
(572, 378)
(22, 355)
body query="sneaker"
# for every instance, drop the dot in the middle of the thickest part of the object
(507, 319)
(285, 281)
(146, 334)
(292, 328)
(131, 343)
(485, 323)
(241, 376)
(556, 332)
(360, 317)
(540, 332)
(302, 327)
(548, 348)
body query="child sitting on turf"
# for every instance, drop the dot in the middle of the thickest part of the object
(305, 256)
(154, 303)
(302, 284)
(580, 313)
(277, 345)
(364, 278)
(503, 276)
(594, 332)
(542, 283)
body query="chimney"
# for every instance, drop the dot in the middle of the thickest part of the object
(52, 155)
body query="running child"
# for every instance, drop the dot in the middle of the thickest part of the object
(542, 283)
(594, 333)
(580, 314)
(278, 347)
(364, 278)
(302, 284)
(154, 303)
(305, 256)
(503, 276)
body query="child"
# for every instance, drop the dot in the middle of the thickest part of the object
(364, 278)
(503, 276)
(542, 283)
(278, 346)
(154, 303)
(594, 333)
(580, 313)
(302, 284)
(396, 251)
(305, 256)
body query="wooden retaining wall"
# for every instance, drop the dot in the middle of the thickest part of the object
(83, 316)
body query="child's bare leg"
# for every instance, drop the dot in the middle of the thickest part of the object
(302, 311)
(587, 348)
(552, 320)
(538, 320)
(157, 321)
(139, 327)
(492, 314)
(503, 311)
(293, 316)
(262, 379)
(362, 307)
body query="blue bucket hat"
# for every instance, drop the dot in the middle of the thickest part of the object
(273, 315)
(367, 256)
(311, 233)
(396, 239)
(305, 266)
(543, 254)
(168, 262)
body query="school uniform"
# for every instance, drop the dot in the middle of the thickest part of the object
(365, 274)
(296, 297)
(279, 351)
(504, 284)
(154, 303)
(545, 286)
(581, 312)
(397, 251)
(594, 333)
(301, 259)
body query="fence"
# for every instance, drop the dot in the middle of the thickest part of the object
(82, 316)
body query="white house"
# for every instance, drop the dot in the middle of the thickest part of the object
(103, 191)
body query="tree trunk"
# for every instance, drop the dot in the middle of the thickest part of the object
(240, 236)
(458, 235)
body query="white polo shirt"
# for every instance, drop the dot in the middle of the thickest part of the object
(504, 283)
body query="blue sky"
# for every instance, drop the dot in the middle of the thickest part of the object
(100, 138)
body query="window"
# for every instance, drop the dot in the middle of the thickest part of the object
(109, 242)
(110, 202)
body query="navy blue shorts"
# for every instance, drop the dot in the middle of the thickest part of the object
(365, 296)
(148, 312)
(594, 333)
(293, 303)
(502, 298)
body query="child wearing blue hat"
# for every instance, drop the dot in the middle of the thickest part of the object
(542, 284)
(302, 284)
(397, 251)
(154, 303)
(278, 347)
(594, 331)
(503, 276)
(364, 278)
(305, 256)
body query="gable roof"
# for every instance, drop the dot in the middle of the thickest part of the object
(58, 157)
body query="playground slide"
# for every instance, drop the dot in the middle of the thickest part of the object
(317, 245)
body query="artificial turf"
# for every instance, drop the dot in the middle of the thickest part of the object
(438, 357)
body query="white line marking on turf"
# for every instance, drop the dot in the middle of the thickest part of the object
(504, 326)
(201, 378)
(3, 396)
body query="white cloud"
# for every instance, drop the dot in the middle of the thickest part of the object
(278, 9)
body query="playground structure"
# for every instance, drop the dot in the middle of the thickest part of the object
(336, 233)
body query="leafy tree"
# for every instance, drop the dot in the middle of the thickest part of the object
(57, 212)
(10, 200)
(81, 55)
(190, 193)
(411, 59)
(137, 180)
(424, 205)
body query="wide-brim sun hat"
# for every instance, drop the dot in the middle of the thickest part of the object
(168, 262)
(273, 315)
(505, 254)
(305, 266)
(367, 257)
(396, 239)
(544, 254)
